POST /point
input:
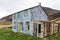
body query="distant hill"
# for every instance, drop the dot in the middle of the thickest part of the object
(7, 18)
(52, 14)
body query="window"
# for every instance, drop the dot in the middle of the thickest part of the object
(25, 13)
(27, 26)
(14, 25)
(18, 16)
(21, 25)
(14, 16)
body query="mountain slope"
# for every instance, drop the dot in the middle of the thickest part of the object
(7, 18)
(52, 13)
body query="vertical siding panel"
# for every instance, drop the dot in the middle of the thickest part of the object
(51, 28)
(42, 30)
(31, 28)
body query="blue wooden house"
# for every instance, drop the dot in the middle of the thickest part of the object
(29, 21)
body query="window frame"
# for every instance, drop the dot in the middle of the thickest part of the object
(14, 16)
(25, 13)
(27, 26)
(18, 15)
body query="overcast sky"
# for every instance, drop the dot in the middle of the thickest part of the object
(8, 7)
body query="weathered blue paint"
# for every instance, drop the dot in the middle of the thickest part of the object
(35, 13)
(38, 14)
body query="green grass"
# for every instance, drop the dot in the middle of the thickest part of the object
(54, 37)
(7, 34)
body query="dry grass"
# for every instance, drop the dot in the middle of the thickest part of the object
(5, 26)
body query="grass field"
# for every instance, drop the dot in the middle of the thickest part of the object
(7, 34)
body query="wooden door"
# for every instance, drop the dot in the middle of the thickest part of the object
(34, 29)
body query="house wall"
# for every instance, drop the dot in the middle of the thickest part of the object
(38, 14)
(22, 17)
(25, 16)
(31, 28)
(48, 28)
(35, 13)
(14, 21)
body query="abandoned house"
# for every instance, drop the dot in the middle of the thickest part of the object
(33, 21)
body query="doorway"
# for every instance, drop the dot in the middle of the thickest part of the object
(39, 28)
(36, 29)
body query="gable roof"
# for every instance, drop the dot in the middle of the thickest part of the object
(43, 10)
(30, 8)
